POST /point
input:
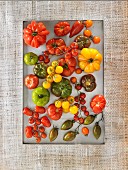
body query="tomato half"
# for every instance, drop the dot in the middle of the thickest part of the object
(98, 103)
(54, 113)
(56, 46)
(62, 28)
(31, 81)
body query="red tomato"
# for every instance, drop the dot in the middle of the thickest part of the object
(98, 103)
(62, 28)
(68, 64)
(45, 121)
(41, 129)
(28, 131)
(35, 34)
(41, 58)
(56, 46)
(40, 109)
(31, 120)
(35, 115)
(31, 81)
(54, 113)
(76, 28)
(27, 111)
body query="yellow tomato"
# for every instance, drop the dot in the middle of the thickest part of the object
(66, 110)
(73, 109)
(65, 105)
(58, 103)
(46, 84)
(50, 78)
(57, 78)
(89, 60)
(55, 63)
(50, 70)
(71, 99)
(59, 69)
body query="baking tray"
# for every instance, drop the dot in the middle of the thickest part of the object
(97, 29)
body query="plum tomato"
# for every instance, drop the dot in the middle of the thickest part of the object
(45, 121)
(28, 131)
(40, 109)
(43, 135)
(31, 81)
(35, 115)
(35, 133)
(85, 131)
(31, 120)
(41, 129)
(27, 111)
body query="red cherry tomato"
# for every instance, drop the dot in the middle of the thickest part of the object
(38, 139)
(40, 110)
(31, 120)
(31, 81)
(43, 135)
(74, 52)
(35, 127)
(62, 28)
(27, 111)
(41, 58)
(53, 112)
(68, 55)
(46, 54)
(41, 129)
(98, 103)
(46, 60)
(76, 117)
(81, 120)
(45, 121)
(35, 133)
(82, 95)
(86, 113)
(83, 108)
(37, 121)
(35, 115)
(28, 131)
(74, 45)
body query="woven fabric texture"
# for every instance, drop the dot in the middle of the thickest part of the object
(111, 156)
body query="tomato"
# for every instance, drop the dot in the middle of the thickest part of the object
(35, 115)
(74, 45)
(68, 55)
(78, 70)
(27, 111)
(35, 34)
(46, 60)
(38, 139)
(88, 23)
(43, 135)
(37, 121)
(53, 112)
(87, 33)
(96, 40)
(31, 120)
(41, 58)
(73, 80)
(28, 131)
(81, 120)
(41, 129)
(98, 103)
(56, 46)
(35, 127)
(85, 131)
(31, 81)
(76, 28)
(45, 121)
(68, 65)
(35, 133)
(62, 28)
(40, 110)
(74, 52)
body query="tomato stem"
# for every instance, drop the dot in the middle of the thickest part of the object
(34, 33)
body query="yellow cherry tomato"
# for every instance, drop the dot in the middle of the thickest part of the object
(73, 109)
(58, 103)
(55, 63)
(71, 99)
(59, 69)
(57, 78)
(46, 84)
(49, 78)
(66, 110)
(65, 105)
(50, 70)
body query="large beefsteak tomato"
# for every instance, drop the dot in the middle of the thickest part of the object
(62, 28)
(53, 112)
(35, 34)
(56, 46)
(68, 65)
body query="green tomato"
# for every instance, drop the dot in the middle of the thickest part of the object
(40, 96)
(30, 58)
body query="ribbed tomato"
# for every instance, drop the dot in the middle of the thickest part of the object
(62, 28)
(54, 113)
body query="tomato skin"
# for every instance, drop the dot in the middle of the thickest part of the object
(31, 81)
(28, 131)
(35, 34)
(76, 28)
(36, 115)
(98, 103)
(45, 121)
(40, 110)
(62, 28)
(27, 111)
(96, 40)
(53, 112)
(85, 131)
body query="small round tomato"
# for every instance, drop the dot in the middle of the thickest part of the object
(88, 23)
(58, 103)
(68, 55)
(46, 60)
(67, 49)
(43, 135)
(78, 70)
(73, 80)
(55, 63)
(35, 133)
(57, 78)
(35, 127)
(46, 84)
(76, 117)
(38, 140)
(41, 58)
(35, 115)
(49, 78)
(73, 109)
(46, 54)
(81, 120)
(74, 52)
(77, 105)
(31, 81)
(96, 40)
(71, 99)
(74, 45)
(31, 120)
(65, 104)
(85, 131)
(82, 95)
(87, 33)
(78, 87)
(59, 69)
(41, 129)
(28, 131)
(40, 109)
(83, 108)
(86, 113)
(50, 70)
(82, 101)
(38, 121)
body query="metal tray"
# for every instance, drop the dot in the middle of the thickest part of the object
(97, 29)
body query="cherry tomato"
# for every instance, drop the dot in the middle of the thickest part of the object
(88, 23)
(82, 101)
(78, 70)
(41, 129)
(76, 117)
(96, 40)
(68, 55)
(43, 135)
(82, 95)
(45, 121)
(74, 52)
(67, 49)
(35, 127)
(74, 45)
(38, 140)
(40, 110)
(36, 115)
(46, 54)
(77, 104)
(46, 60)
(76, 98)
(81, 120)
(37, 121)
(73, 80)
(78, 87)
(31, 81)
(87, 33)
(86, 113)
(27, 111)
(85, 131)
(41, 58)
(31, 120)
(83, 108)
(35, 133)
(28, 131)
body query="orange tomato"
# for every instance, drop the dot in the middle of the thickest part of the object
(87, 33)
(73, 80)
(85, 131)
(43, 135)
(88, 23)
(96, 40)
(78, 70)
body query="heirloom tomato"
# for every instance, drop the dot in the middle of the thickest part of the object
(62, 28)
(45, 121)
(31, 81)
(53, 112)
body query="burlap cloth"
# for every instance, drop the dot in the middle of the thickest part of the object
(114, 154)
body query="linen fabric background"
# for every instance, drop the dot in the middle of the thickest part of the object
(111, 156)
